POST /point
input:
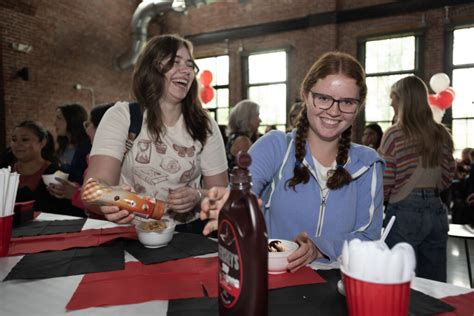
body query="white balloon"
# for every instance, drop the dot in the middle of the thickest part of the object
(439, 82)
(438, 113)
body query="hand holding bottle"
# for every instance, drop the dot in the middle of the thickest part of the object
(118, 204)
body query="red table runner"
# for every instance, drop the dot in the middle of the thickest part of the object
(85, 238)
(464, 305)
(177, 279)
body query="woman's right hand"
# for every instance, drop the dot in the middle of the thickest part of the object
(115, 214)
(211, 206)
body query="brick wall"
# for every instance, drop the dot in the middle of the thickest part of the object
(78, 42)
(72, 42)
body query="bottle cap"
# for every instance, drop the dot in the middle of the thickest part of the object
(243, 160)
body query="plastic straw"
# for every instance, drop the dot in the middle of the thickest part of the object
(387, 229)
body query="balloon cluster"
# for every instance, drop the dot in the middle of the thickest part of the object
(444, 96)
(207, 92)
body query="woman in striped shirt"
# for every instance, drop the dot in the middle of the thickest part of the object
(419, 164)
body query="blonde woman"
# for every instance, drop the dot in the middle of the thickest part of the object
(419, 155)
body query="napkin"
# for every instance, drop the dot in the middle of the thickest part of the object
(182, 245)
(85, 238)
(184, 278)
(49, 227)
(69, 262)
(8, 188)
(373, 261)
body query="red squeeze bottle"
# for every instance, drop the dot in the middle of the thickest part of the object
(95, 192)
(243, 250)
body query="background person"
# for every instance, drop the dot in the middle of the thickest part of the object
(372, 135)
(33, 148)
(178, 143)
(73, 143)
(419, 155)
(244, 120)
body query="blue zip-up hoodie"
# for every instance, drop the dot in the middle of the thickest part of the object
(353, 211)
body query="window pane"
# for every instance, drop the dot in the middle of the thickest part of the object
(377, 106)
(463, 105)
(272, 101)
(223, 116)
(393, 54)
(218, 66)
(460, 133)
(222, 98)
(462, 49)
(222, 75)
(270, 67)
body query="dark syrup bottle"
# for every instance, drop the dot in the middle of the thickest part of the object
(243, 250)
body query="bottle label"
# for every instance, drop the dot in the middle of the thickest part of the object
(230, 265)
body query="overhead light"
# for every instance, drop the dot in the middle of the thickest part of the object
(178, 5)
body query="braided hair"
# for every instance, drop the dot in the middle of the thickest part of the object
(329, 63)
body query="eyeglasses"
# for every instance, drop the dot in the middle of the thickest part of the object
(325, 102)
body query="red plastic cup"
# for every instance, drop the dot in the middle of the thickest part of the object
(5, 234)
(367, 298)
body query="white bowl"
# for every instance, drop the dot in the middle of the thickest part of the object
(278, 261)
(155, 239)
(51, 178)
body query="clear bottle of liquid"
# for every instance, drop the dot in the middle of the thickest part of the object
(243, 250)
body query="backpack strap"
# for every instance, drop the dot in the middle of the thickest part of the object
(136, 118)
(267, 195)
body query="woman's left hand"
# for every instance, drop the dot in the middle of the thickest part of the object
(183, 199)
(63, 190)
(306, 253)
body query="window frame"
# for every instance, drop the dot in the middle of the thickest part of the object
(450, 67)
(418, 66)
(216, 87)
(244, 61)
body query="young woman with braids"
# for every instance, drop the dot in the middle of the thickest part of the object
(317, 187)
(420, 164)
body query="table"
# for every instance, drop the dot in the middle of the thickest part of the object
(460, 231)
(50, 296)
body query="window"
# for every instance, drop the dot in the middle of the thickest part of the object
(219, 103)
(266, 83)
(386, 61)
(462, 65)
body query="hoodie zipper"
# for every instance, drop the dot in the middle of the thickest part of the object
(322, 206)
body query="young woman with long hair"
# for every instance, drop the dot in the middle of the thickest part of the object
(178, 142)
(419, 155)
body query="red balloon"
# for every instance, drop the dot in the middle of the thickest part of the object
(433, 99)
(206, 78)
(207, 94)
(451, 90)
(445, 99)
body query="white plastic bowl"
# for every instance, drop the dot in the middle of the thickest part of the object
(154, 239)
(278, 261)
(51, 178)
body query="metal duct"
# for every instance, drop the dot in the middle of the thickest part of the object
(140, 20)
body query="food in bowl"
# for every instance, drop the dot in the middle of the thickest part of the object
(155, 234)
(278, 252)
(276, 246)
